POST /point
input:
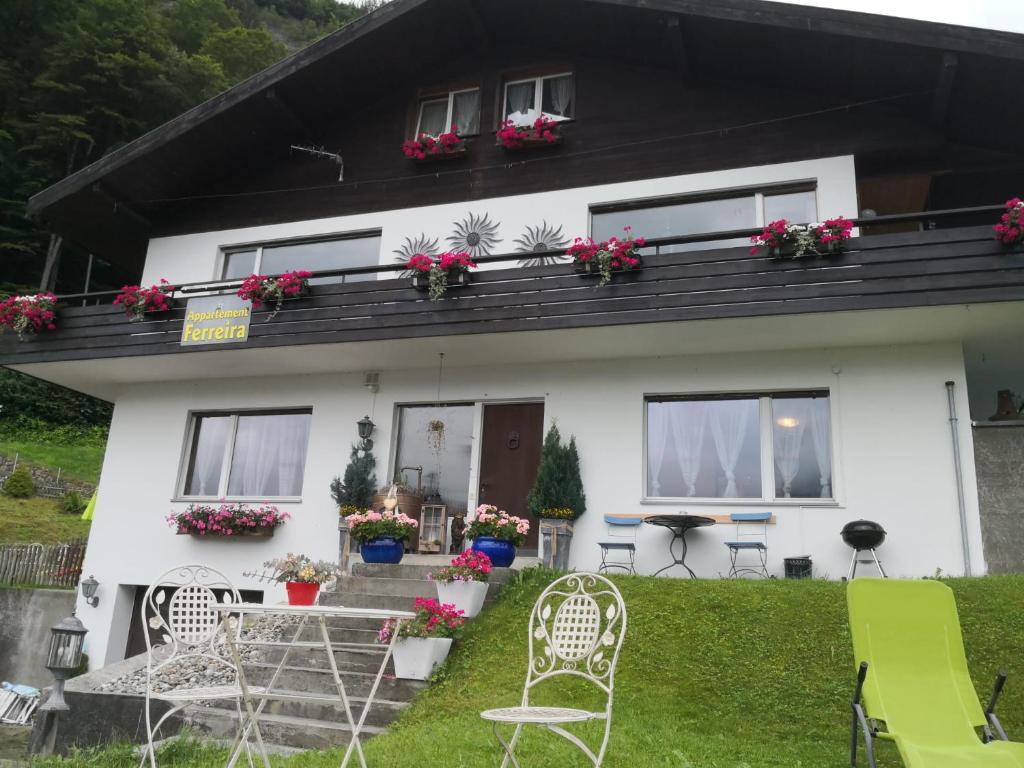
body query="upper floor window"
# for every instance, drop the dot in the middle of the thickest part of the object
(249, 454)
(457, 110)
(314, 255)
(697, 215)
(554, 96)
(751, 447)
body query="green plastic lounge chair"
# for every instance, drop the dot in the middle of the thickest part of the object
(913, 687)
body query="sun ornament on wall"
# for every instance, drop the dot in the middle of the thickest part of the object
(539, 239)
(413, 245)
(476, 235)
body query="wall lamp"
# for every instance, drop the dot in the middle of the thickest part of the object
(89, 587)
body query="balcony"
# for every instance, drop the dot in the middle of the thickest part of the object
(930, 268)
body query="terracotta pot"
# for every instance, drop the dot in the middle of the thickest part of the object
(301, 592)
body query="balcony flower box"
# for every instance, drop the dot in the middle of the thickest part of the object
(29, 315)
(543, 133)
(236, 521)
(1010, 229)
(782, 240)
(261, 289)
(426, 149)
(607, 257)
(138, 302)
(436, 276)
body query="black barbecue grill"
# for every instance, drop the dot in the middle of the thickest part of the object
(861, 536)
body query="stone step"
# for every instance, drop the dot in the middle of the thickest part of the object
(355, 600)
(296, 732)
(383, 711)
(299, 678)
(353, 660)
(409, 571)
(379, 585)
(367, 634)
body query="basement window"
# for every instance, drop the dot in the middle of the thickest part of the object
(554, 96)
(456, 110)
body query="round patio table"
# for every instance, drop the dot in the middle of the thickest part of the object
(679, 525)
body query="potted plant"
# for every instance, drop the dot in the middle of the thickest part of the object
(260, 289)
(557, 498)
(496, 533)
(1010, 229)
(464, 582)
(423, 643)
(444, 146)
(381, 534)
(782, 239)
(138, 301)
(302, 576)
(435, 276)
(237, 520)
(29, 315)
(608, 256)
(543, 132)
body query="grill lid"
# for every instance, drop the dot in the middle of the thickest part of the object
(863, 534)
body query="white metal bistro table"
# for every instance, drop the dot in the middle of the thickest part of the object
(308, 615)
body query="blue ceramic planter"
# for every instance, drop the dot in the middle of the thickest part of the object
(501, 552)
(383, 550)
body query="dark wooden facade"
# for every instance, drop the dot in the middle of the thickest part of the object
(940, 267)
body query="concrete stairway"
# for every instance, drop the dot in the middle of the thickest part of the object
(308, 725)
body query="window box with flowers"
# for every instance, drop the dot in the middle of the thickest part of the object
(464, 582)
(425, 148)
(138, 302)
(544, 132)
(261, 289)
(608, 256)
(302, 576)
(496, 534)
(1010, 229)
(235, 520)
(29, 315)
(381, 534)
(422, 644)
(781, 239)
(436, 276)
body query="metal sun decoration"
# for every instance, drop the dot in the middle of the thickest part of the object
(476, 235)
(413, 245)
(538, 239)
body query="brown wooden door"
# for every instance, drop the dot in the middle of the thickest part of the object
(509, 455)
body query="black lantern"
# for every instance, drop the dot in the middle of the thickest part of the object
(366, 427)
(89, 591)
(64, 658)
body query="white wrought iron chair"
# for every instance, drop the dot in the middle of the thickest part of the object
(576, 628)
(180, 601)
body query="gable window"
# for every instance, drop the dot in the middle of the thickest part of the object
(762, 447)
(698, 215)
(248, 454)
(551, 95)
(361, 250)
(458, 109)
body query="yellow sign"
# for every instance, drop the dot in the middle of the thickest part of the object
(216, 320)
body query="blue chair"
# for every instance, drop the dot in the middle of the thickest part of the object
(753, 539)
(624, 529)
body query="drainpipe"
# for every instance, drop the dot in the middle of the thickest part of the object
(958, 466)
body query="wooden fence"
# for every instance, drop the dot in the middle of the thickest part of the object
(42, 565)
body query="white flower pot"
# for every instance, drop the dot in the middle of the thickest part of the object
(467, 596)
(416, 657)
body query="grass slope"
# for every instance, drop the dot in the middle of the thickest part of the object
(80, 460)
(716, 674)
(38, 520)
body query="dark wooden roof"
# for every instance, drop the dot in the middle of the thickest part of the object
(114, 205)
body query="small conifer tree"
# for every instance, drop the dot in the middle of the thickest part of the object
(19, 484)
(359, 483)
(558, 484)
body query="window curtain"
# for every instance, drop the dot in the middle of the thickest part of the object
(658, 415)
(561, 95)
(270, 454)
(520, 102)
(787, 440)
(688, 433)
(466, 112)
(728, 420)
(433, 116)
(819, 424)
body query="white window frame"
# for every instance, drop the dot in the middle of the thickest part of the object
(538, 94)
(768, 496)
(229, 449)
(227, 250)
(451, 108)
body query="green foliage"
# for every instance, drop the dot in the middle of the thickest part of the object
(357, 487)
(26, 403)
(19, 485)
(242, 52)
(190, 22)
(73, 503)
(558, 484)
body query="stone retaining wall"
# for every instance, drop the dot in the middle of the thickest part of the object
(44, 477)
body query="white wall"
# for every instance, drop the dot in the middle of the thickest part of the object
(892, 444)
(195, 257)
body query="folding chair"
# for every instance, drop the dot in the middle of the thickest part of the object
(752, 538)
(913, 686)
(576, 628)
(180, 602)
(624, 529)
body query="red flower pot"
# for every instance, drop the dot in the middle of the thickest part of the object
(301, 592)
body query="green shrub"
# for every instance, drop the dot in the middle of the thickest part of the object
(19, 484)
(73, 503)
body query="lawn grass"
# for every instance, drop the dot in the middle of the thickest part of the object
(77, 460)
(38, 520)
(713, 674)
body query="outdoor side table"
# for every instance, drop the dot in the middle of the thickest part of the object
(679, 525)
(309, 615)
